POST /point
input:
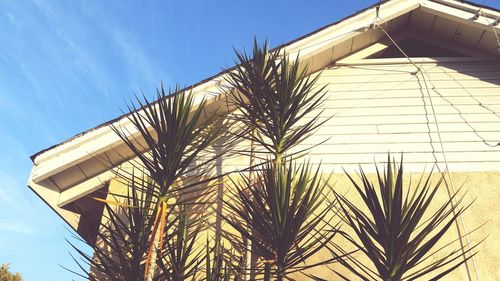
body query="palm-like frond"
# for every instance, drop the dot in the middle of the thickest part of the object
(182, 257)
(280, 214)
(173, 134)
(399, 229)
(173, 141)
(122, 240)
(274, 93)
(219, 264)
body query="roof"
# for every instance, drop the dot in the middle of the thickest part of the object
(66, 171)
(107, 123)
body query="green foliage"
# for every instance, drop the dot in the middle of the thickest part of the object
(219, 264)
(175, 147)
(398, 229)
(6, 275)
(274, 93)
(173, 133)
(181, 258)
(279, 207)
(122, 241)
(276, 210)
(279, 212)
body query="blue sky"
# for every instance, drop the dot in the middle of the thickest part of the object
(67, 66)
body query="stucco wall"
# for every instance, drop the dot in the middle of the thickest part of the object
(482, 188)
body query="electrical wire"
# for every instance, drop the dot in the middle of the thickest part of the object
(449, 185)
(460, 113)
(490, 24)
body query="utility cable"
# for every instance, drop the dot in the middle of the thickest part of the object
(480, 11)
(460, 113)
(449, 186)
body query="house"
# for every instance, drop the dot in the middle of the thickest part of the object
(415, 76)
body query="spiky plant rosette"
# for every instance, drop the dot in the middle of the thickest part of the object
(398, 227)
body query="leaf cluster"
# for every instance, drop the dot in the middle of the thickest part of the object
(279, 212)
(273, 94)
(173, 136)
(398, 227)
(6, 275)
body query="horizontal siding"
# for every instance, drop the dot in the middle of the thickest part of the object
(371, 110)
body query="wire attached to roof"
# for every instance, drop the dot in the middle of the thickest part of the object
(476, 15)
(446, 171)
(493, 28)
(496, 22)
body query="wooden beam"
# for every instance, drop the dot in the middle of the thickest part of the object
(50, 197)
(82, 189)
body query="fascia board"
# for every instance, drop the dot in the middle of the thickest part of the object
(423, 60)
(100, 140)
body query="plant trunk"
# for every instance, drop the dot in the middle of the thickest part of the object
(152, 258)
(267, 272)
(280, 273)
(156, 243)
(278, 158)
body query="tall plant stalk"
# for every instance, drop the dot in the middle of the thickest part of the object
(275, 212)
(173, 143)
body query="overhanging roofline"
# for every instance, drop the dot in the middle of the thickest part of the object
(463, 5)
(96, 140)
(107, 123)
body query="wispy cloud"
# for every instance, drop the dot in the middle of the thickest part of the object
(17, 227)
(135, 56)
(16, 215)
(13, 198)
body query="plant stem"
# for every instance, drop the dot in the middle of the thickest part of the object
(280, 275)
(152, 259)
(267, 272)
(156, 243)
(278, 158)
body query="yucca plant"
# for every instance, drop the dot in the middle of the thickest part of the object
(122, 245)
(122, 239)
(397, 228)
(275, 211)
(279, 212)
(273, 93)
(174, 145)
